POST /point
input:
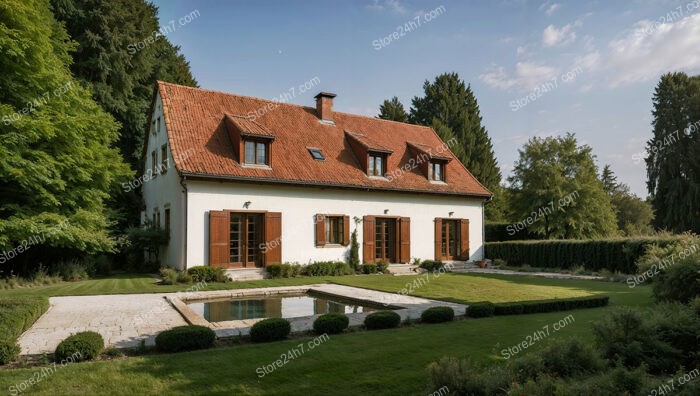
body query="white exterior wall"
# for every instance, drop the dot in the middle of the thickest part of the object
(299, 205)
(164, 191)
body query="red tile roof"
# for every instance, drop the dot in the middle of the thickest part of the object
(196, 123)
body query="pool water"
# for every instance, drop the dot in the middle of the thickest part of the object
(286, 306)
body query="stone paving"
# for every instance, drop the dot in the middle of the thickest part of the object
(124, 320)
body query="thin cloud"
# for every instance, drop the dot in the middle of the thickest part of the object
(551, 36)
(526, 76)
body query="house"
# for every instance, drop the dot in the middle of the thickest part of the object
(241, 183)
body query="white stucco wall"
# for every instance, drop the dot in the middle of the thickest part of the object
(299, 205)
(164, 191)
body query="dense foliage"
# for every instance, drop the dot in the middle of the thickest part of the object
(673, 153)
(481, 310)
(185, 338)
(555, 191)
(393, 110)
(205, 273)
(57, 164)
(634, 216)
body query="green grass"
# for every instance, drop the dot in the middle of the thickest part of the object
(378, 362)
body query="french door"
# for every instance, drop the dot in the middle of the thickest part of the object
(385, 240)
(451, 239)
(246, 235)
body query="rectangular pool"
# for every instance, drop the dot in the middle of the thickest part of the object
(282, 306)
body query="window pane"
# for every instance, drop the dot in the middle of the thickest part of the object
(262, 157)
(250, 152)
(371, 165)
(438, 171)
(379, 167)
(328, 230)
(339, 231)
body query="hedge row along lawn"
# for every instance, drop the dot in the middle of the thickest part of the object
(379, 362)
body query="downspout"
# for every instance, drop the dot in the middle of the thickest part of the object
(184, 190)
(483, 225)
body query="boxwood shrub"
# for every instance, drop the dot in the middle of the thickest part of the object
(271, 329)
(9, 350)
(208, 274)
(275, 270)
(437, 315)
(382, 320)
(80, 347)
(327, 268)
(185, 338)
(481, 310)
(369, 268)
(331, 323)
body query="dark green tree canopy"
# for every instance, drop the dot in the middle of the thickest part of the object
(555, 183)
(634, 215)
(673, 162)
(393, 110)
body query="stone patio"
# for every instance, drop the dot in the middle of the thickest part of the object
(124, 320)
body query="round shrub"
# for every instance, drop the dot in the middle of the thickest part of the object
(185, 338)
(382, 320)
(9, 350)
(331, 323)
(481, 310)
(79, 347)
(271, 329)
(437, 315)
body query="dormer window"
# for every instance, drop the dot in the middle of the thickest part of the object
(256, 153)
(377, 165)
(437, 171)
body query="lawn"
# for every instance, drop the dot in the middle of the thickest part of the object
(379, 362)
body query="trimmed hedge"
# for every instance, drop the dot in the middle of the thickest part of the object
(9, 350)
(382, 320)
(327, 268)
(529, 307)
(17, 314)
(481, 310)
(79, 347)
(432, 265)
(437, 315)
(615, 255)
(185, 338)
(271, 329)
(331, 323)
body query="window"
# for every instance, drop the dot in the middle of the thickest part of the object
(166, 220)
(154, 163)
(256, 153)
(158, 219)
(164, 158)
(334, 230)
(317, 154)
(437, 171)
(153, 129)
(158, 126)
(377, 165)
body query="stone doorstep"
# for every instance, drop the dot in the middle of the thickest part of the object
(235, 328)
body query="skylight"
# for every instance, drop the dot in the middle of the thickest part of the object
(317, 154)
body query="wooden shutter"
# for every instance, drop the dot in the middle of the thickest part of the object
(464, 239)
(273, 238)
(438, 239)
(368, 223)
(320, 229)
(404, 239)
(218, 238)
(346, 230)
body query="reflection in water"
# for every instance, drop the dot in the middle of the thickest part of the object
(290, 306)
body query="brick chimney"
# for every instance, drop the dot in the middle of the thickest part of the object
(324, 106)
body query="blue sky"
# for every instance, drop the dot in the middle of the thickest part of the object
(590, 65)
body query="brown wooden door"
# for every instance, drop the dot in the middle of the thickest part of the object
(246, 236)
(385, 240)
(450, 240)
